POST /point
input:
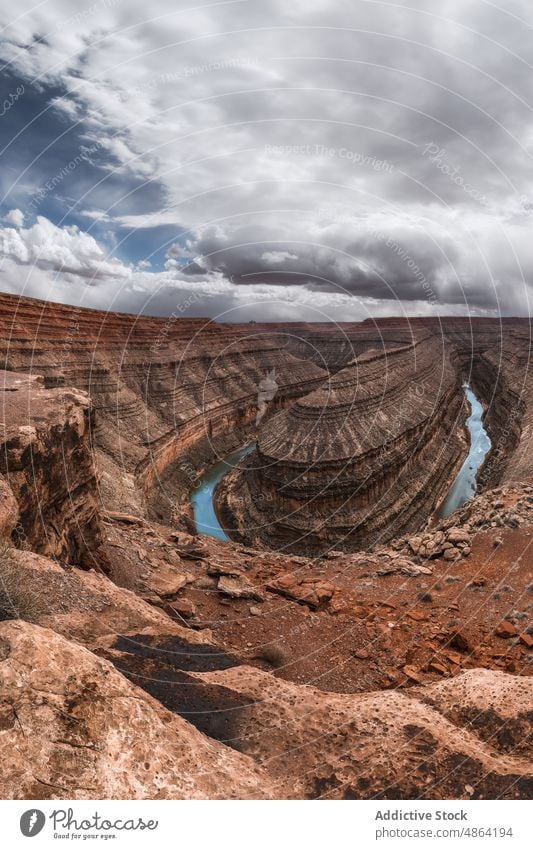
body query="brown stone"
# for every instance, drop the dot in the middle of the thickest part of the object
(417, 615)
(505, 630)
(457, 535)
(286, 581)
(84, 731)
(414, 544)
(233, 570)
(434, 666)
(412, 673)
(167, 583)
(453, 657)
(313, 592)
(237, 588)
(192, 552)
(126, 518)
(184, 607)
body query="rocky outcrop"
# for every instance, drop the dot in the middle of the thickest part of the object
(89, 733)
(361, 460)
(167, 393)
(184, 670)
(428, 742)
(81, 605)
(47, 462)
(73, 727)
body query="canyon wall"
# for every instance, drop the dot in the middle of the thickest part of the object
(170, 396)
(362, 459)
(209, 668)
(164, 392)
(47, 462)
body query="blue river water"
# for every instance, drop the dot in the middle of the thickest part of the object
(203, 502)
(465, 484)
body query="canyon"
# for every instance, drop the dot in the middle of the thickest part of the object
(362, 459)
(344, 641)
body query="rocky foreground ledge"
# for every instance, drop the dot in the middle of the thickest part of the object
(140, 661)
(72, 726)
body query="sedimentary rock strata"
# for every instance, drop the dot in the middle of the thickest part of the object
(206, 669)
(73, 727)
(167, 393)
(171, 395)
(360, 460)
(46, 458)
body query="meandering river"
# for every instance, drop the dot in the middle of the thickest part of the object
(203, 502)
(465, 484)
(461, 491)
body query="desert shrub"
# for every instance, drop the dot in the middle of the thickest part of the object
(18, 598)
(425, 597)
(274, 654)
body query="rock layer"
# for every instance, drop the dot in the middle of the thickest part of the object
(172, 395)
(137, 683)
(167, 393)
(73, 727)
(47, 461)
(360, 460)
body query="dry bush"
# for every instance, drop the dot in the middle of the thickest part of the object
(18, 599)
(274, 654)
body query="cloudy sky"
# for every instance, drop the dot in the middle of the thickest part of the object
(265, 159)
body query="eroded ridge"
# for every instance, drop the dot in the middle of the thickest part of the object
(207, 669)
(362, 459)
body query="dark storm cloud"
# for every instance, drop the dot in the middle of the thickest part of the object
(369, 150)
(348, 258)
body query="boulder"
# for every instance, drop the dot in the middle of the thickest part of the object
(506, 630)
(238, 588)
(73, 727)
(456, 535)
(167, 582)
(184, 607)
(313, 592)
(224, 567)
